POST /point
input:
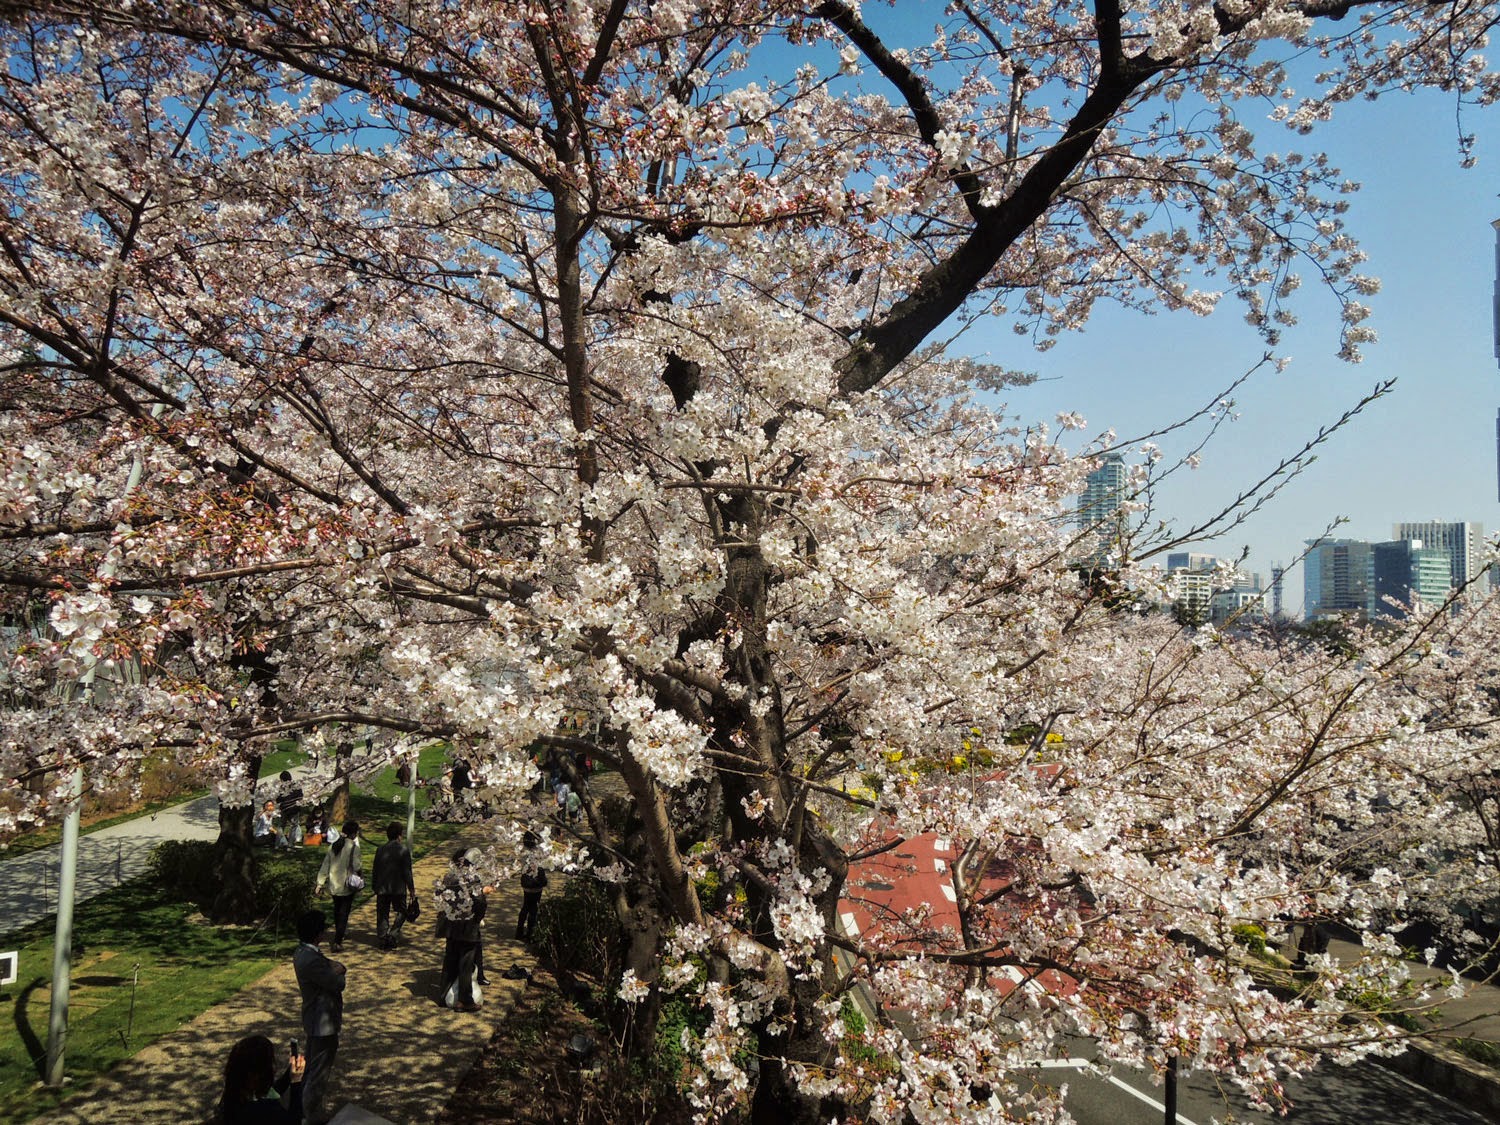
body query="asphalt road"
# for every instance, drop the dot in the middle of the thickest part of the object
(1363, 1094)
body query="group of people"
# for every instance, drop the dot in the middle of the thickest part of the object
(341, 877)
(280, 822)
(253, 1092)
(561, 772)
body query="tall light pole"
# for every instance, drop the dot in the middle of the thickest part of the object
(62, 943)
(67, 874)
(411, 797)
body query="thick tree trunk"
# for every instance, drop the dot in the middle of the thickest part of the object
(338, 800)
(235, 901)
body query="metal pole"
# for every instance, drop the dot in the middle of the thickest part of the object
(62, 942)
(62, 947)
(135, 980)
(1171, 1091)
(411, 800)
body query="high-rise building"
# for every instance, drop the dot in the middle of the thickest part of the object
(1101, 513)
(1239, 605)
(1105, 489)
(1191, 560)
(1406, 572)
(1278, 575)
(1192, 594)
(1336, 577)
(1464, 543)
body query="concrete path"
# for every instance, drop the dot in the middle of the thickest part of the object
(106, 858)
(1475, 1015)
(400, 1055)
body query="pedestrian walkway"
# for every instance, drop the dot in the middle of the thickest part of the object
(106, 858)
(1475, 1015)
(1431, 1058)
(400, 1055)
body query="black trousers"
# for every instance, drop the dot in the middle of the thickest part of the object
(459, 959)
(387, 926)
(342, 904)
(321, 1050)
(527, 921)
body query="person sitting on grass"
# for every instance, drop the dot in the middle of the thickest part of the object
(253, 1095)
(267, 835)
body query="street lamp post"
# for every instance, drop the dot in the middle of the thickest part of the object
(62, 942)
(411, 798)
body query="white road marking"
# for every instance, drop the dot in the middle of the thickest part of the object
(1084, 1064)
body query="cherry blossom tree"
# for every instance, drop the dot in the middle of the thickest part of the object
(482, 365)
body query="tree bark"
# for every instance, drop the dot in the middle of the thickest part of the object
(235, 857)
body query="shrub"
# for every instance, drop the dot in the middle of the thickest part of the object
(676, 1065)
(577, 932)
(186, 869)
(1252, 937)
(189, 871)
(284, 885)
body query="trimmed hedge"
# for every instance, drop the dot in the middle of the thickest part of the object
(188, 870)
(284, 884)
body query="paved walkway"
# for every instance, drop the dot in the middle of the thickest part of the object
(1475, 1015)
(400, 1055)
(106, 858)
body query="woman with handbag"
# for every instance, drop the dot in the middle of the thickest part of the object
(340, 876)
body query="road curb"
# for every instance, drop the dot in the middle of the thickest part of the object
(1447, 1071)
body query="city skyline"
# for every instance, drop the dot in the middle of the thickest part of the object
(1422, 452)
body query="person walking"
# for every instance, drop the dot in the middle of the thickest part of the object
(394, 885)
(321, 982)
(533, 882)
(340, 877)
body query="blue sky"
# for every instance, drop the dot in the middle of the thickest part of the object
(1426, 451)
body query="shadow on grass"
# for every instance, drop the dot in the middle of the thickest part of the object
(36, 1050)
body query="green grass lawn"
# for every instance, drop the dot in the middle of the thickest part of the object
(286, 756)
(130, 941)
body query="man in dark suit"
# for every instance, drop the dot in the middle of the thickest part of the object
(393, 884)
(321, 982)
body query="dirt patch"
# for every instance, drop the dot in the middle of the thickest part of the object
(525, 1077)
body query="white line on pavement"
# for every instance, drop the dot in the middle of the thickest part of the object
(1084, 1064)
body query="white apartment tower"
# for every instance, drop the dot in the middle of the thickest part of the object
(1104, 490)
